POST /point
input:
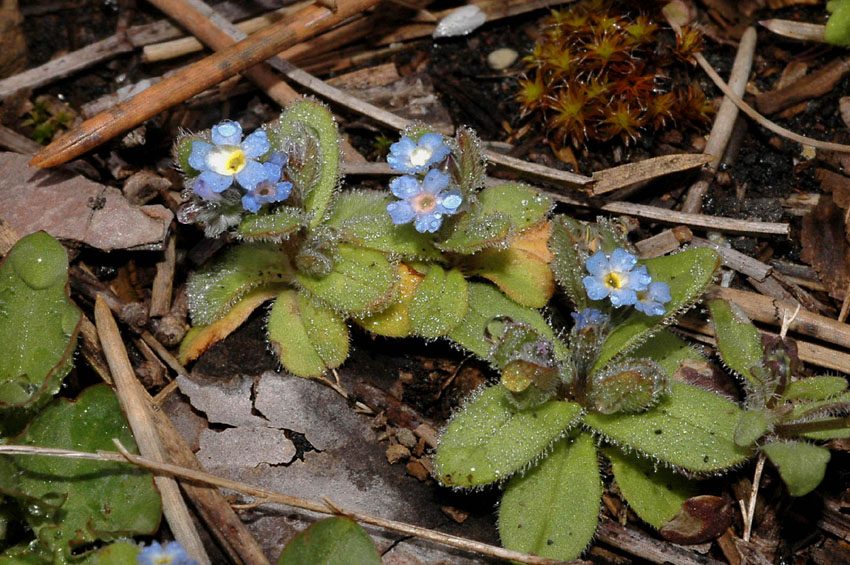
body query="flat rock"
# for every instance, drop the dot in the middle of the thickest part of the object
(74, 209)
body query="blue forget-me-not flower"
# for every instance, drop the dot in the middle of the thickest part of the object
(170, 554)
(271, 188)
(651, 301)
(408, 156)
(228, 158)
(615, 277)
(423, 203)
(588, 317)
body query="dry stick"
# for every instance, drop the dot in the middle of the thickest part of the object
(163, 282)
(656, 551)
(761, 120)
(141, 423)
(268, 496)
(724, 122)
(195, 79)
(768, 310)
(219, 35)
(795, 30)
(816, 84)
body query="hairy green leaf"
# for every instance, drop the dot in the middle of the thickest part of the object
(689, 428)
(38, 321)
(220, 284)
(440, 302)
(362, 219)
(471, 161)
(519, 274)
(668, 350)
(182, 151)
(275, 226)
(472, 233)
(333, 541)
(306, 131)
(360, 282)
(738, 340)
(815, 388)
(524, 205)
(654, 493)
(487, 305)
(566, 244)
(688, 273)
(752, 426)
(800, 464)
(74, 501)
(553, 510)
(489, 439)
(308, 339)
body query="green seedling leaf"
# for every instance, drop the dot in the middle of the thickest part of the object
(201, 338)
(333, 541)
(629, 386)
(688, 273)
(553, 510)
(472, 233)
(440, 302)
(182, 151)
(837, 31)
(522, 270)
(361, 218)
(689, 428)
(38, 321)
(275, 226)
(654, 493)
(307, 338)
(306, 131)
(360, 282)
(815, 388)
(477, 332)
(753, 425)
(220, 284)
(801, 465)
(738, 340)
(394, 321)
(489, 439)
(668, 350)
(524, 205)
(822, 418)
(567, 244)
(471, 161)
(93, 500)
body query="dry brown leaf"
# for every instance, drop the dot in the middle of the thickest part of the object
(625, 175)
(825, 246)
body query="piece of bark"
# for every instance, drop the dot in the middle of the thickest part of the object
(825, 246)
(144, 186)
(810, 86)
(837, 184)
(75, 209)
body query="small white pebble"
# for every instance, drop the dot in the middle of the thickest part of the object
(502, 58)
(460, 22)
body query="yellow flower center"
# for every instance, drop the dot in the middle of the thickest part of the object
(614, 280)
(226, 160)
(419, 156)
(424, 202)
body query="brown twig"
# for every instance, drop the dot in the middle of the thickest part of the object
(813, 85)
(141, 422)
(268, 496)
(194, 79)
(724, 121)
(164, 280)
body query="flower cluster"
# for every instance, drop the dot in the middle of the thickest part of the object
(618, 278)
(421, 200)
(230, 159)
(588, 317)
(171, 554)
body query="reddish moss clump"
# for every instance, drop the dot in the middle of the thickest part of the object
(601, 74)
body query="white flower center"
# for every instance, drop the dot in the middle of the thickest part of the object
(419, 156)
(226, 160)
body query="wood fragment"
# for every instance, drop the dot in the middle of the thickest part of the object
(164, 280)
(795, 30)
(92, 351)
(769, 310)
(141, 423)
(736, 260)
(809, 352)
(641, 545)
(810, 86)
(631, 173)
(664, 242)
(195, 79)
(724, 121)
